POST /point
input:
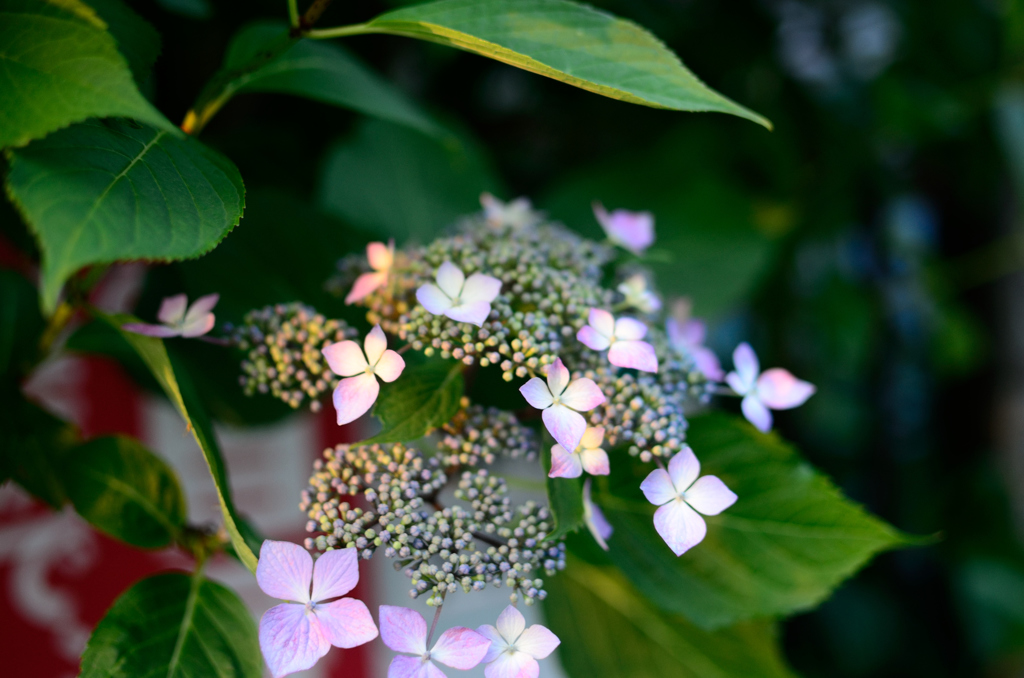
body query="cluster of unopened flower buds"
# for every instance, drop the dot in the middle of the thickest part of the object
(283, 345)
(479, 434)
(481, 540)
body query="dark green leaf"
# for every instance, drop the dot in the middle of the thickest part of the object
(59, 65)
(184, 398)
(136, 38)
(20, 324)
(315, 70)
(125, 490)
(567, 41)
(33, 446)
(789, 540)
(174, 626)
(99, 192)
(565, 496)
(400, 184)
(609, 631)
(423, 398)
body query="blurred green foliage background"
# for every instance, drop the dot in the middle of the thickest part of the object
(871, 243)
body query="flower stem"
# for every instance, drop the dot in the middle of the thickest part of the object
(339, 31)
(433, 624)
(293, 13)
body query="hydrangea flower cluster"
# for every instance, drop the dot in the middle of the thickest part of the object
(283, 345)
(597, 367)
(482, 540)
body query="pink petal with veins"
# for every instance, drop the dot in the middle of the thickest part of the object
(564, 464)
(630, 329)
(474, 312)
(172, 309)
(537, 641)
(680, 526)
(433, 299)
(375, 344)
(566, 426)
(592, 339)
(413, 667)
(511, 624)
(346, 622)
(780, 390)
(403, 630)
(460, 648)
(595, 462)
(345, 358)
(582, 395)
(498, 644)
(354, 396)
(536, 393)
(710, 496)
(513, 665)
(480, 287)
(450, 279)
(390, 366)
(756, 413)
(657, 487)
(364, 285)
(683, 468)
(637, 355)
(335, 573)
(558, 377)
(602, 321)
(291, 639)
(284, 571)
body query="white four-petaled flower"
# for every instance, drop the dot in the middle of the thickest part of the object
(466, 300)
(686, 335)
(405, 630)
(381, 258)
(179, 319)
(774, 389)
(622, 339)
(515, 649)
(682, 498)
(296, 634)
(595, 521)
(355, 394)
(587, 457)
(632, 230)
(562, 403)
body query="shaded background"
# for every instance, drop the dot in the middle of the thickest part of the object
(871, 243)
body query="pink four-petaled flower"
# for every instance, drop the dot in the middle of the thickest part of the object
(405, 630)
(465, 300)
(179, 319)
(295, 635)
(587, 457)
(381, 258)
(682, 497)
(355, 394)
(621, 338)
(515, 649)
(632, 230)
(562, 402)
(774, 389)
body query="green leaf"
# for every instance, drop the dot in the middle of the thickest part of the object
(786, 543)
(174, 626)
(399, 184)
(565, 496)
(100, 192)
(609, 631)
(136, 38)
(33, 446)
(20, 325)
(566, 41)
(423, 398)
(182, 395)
(315, 70)
(125, 490)
(59, 65)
